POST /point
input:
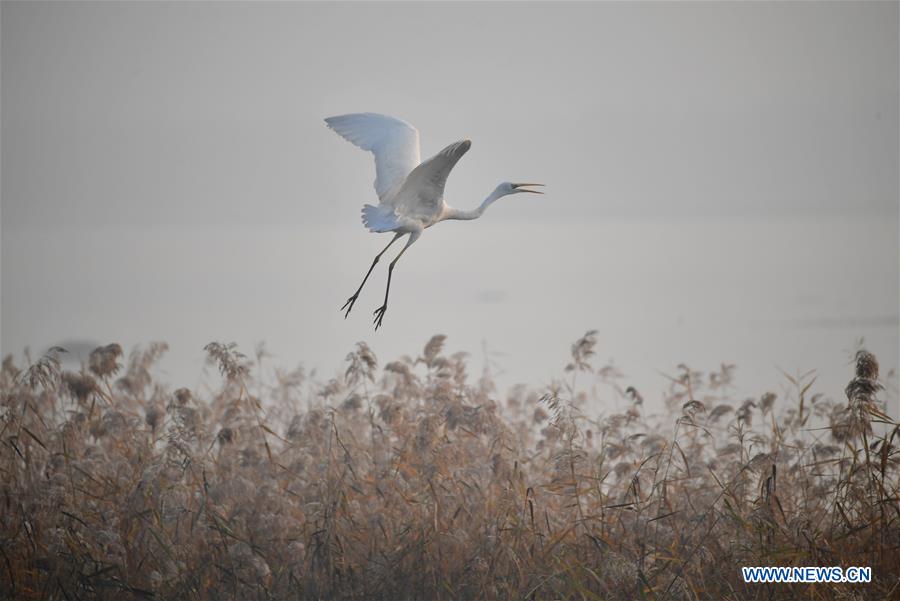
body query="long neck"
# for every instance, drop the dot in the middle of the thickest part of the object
(459, 214)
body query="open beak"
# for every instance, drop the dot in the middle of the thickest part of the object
(521, 188)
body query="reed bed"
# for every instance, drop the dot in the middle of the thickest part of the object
(416, 480)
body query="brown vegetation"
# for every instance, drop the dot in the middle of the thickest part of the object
(412, 481)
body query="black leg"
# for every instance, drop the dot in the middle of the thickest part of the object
(380, 311)
(350, 301)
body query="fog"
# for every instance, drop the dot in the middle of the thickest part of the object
(722, 182)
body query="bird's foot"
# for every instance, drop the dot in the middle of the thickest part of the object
(379, 315)
(349, 305)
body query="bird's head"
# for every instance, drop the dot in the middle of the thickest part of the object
(517, 188)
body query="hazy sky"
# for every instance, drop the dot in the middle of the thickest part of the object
(166, 174)
(190, 113)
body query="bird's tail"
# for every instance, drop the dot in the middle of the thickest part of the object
(379, 219)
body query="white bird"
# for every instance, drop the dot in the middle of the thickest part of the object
(410, 193)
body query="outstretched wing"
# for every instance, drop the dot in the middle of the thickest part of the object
(394, 143)
(422, 194)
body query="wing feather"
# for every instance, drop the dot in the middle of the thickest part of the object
(395, 144)
(422, 194)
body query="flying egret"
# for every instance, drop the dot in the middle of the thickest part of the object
(410, 193)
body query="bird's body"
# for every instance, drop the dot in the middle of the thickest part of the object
(418, 203)
(411, 194)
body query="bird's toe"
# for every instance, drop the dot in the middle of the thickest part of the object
(379, 316)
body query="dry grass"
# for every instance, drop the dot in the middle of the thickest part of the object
(412, 481)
